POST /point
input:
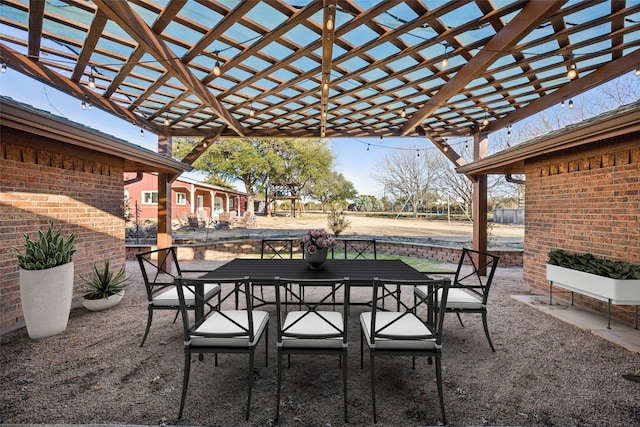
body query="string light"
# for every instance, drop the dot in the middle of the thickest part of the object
(368, 147)
(571, 104)
(166, 120)
(381, 139)
(485, 122)
(418, 151)
(403, 113)
(562, 102)
(3, 67)
(92, 80)
(251, 112)
(445, 60)
(84, 104)
(509, 130)
(141, 131)
(329, 23)
(204, 144)
(637, 69)
(216, 69)
(573, 72)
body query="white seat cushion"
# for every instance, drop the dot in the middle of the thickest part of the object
(169, 298)
(312, 325)
(460, 299)
(457, 298)
(218, 324)
(404, 329)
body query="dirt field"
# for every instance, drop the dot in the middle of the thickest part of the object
(389, 228)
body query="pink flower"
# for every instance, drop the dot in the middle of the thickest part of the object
(316, 239)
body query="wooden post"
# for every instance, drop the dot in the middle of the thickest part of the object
(164, 239)
(480, 150)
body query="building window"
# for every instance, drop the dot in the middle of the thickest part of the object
(149, 197)
(181, 198)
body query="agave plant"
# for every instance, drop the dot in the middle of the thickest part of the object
(50, 250)
(103, 284)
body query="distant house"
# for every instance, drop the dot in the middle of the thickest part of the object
(188, 197)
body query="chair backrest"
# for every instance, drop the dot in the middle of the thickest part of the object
(188, 290)
(475, 272)
(360, 249)
(386, 330)
(276, 248)
(311, 296)
(160, 270)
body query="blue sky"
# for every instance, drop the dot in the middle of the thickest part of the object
(352, 158)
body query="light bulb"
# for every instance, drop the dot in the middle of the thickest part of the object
(445, 62)
(562, 103)
(3, 67)
(166, 121)
(92, 82)
(84, 105)
(381, 139)
(403, 113)
(216, 69)
(573, 72)
(485, 122)
(252, 113)
(330, 24)
(141, 132)
(571, 104)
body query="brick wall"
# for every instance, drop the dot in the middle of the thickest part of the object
(230, 249)
(586, 200)
(80, 190)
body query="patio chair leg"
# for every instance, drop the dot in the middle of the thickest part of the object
(185, 381)
(486, 330)
(373, 385)
(251, 364)
(344, 380)
(460, 319)
(279, 386)
(440, 393)
(146, 332)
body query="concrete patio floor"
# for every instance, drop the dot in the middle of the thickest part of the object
(620, 334)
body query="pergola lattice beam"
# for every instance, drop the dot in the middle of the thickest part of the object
(122, 14)
(533, 14)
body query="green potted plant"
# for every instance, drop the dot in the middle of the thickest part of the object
(104, 289)
(46, 281)
(614, 282)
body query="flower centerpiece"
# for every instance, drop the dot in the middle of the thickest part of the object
(315, 244)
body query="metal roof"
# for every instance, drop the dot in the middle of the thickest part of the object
(321, 68)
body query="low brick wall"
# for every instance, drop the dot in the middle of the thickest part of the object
(225, 249)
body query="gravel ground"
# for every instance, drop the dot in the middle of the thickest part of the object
(543, 373)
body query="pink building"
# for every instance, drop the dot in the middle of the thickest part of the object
(188, 197)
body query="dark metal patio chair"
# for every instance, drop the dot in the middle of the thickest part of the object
(312, 329)
(221, 331)
(470, 289)
(160, 271)
(403, 333)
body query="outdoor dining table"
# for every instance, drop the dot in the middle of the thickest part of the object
(360, 272)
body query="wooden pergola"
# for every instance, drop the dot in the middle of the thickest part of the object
(322, 68)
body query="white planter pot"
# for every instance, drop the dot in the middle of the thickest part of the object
(625, 292)
(103, 303)
(46, 299)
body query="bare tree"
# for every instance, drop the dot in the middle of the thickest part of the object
(406, 175)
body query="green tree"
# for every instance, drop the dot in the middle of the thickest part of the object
(259, 162)
(332, 188)
(302, 161)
